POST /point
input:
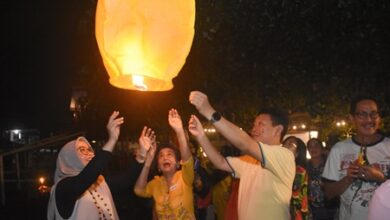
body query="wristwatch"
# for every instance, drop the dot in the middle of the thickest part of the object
(216, 116)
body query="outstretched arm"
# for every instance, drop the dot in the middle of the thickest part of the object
(196, 129)
(230, 131)
(69, 189)
(147, 138)
(176, 124)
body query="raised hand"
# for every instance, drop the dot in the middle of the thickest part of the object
(195, 127)
(146, 140)
(113, 126)
(150, 155)
(174, 120)
(176, 123)
(113, 129)
(201, 103)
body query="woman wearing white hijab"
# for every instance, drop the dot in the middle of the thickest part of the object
(80, 191)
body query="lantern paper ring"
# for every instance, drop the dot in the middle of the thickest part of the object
(144, 43)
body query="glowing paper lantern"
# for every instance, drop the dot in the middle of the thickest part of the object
(144, 43)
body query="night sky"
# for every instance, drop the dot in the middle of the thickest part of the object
(36, 60)
(47, 47)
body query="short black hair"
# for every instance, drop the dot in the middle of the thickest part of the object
(170, 146)
(278, 117)
(359, 98)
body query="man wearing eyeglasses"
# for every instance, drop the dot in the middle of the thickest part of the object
(357, 166)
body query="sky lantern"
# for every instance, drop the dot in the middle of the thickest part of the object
(144, 43)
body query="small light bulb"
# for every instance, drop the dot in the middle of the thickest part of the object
(138, 82)
(41, 180)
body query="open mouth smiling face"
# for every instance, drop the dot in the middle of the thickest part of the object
(167, 160)
(366, 118)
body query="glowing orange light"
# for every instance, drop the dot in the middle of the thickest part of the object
(144, 44)
(41, 180)
(138, 82)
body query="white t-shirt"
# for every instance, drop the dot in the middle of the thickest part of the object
(354, 201)
(265, 192)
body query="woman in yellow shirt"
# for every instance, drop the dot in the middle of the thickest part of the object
(172, 191)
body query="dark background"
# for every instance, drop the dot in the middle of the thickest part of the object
(303, 56)
(306, 57)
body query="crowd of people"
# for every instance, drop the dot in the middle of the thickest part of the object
(270, 177)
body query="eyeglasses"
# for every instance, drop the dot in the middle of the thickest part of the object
(363, 115)
(85, 150)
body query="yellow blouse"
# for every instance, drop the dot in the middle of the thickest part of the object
(175, 202)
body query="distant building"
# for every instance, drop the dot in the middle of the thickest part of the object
(21, 136)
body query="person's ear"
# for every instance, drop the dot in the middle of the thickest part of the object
(278, 130)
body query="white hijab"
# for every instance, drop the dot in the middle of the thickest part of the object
(69, 164)
(68, 161)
